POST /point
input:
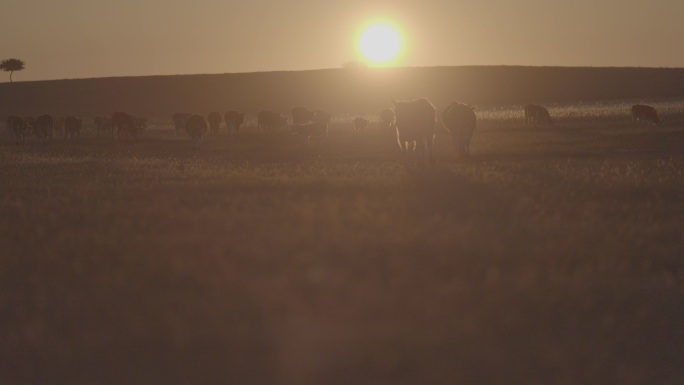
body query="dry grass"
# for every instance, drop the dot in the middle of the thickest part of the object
(553, 256)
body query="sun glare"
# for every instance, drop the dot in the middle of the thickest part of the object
(379, 44)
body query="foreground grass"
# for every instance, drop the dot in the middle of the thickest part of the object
(551, 257)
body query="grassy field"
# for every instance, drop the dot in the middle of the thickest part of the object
(552, 256)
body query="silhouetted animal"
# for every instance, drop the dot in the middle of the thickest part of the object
(44, 126)
(460, 120)
(387, 117)
(537, 115)
(18, 127)
(128, 125)
(234, 120)
(269, 121)
(301, 115)
(179, 120)
(415, 123)
(644, 113)
(360, 124)
(310, 131)
(196, 127)
(214, 119)
(72, 127)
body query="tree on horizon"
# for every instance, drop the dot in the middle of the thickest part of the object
(11, 65)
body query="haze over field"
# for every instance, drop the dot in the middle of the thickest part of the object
(81, 39)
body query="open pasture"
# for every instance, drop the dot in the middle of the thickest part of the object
(552, 256)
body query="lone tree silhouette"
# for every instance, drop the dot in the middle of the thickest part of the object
(11, 65)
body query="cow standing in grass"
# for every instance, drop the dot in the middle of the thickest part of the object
(270, 121)
(234, 120)
(360, 124)
(72, 127)
(415, 126)
(301, 115)
(644, 113)
(460, 120)
(196, 127)
(18, 127)
(537, 115)
(214, 119)
(128, 125)
(44, 126)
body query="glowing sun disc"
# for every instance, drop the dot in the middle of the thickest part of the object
(379, 43)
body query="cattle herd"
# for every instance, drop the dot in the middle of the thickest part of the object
(413, 122)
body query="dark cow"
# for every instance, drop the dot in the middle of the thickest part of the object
(537, 115)
(301, 115)
(72, 127)
(644, 113)
(415, 124)
(460, 120)
(128, 125)
(321, 116)
(311, 131)
(18, 127)
(234, 120)
(44, 126)
(179, 120)
(196, 127)
(270, 121)
(214, 119)
(360, 124)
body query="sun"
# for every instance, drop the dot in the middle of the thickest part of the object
(380, 44)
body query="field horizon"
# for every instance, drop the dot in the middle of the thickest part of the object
(342, 90)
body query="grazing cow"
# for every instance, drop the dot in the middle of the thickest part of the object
(214, 119)
(360, 124)
(18, 127)
(196, 127)
(72, 127)
(311, 131)
(269, 121)
(322, 116)
(179, 120)
(128, 124)
(537, 115)
(415, 125)
(460, 120)
(234, 120)
(44, 126)
(301, 115)
(644, 113)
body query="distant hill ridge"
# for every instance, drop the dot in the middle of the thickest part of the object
(337, 90)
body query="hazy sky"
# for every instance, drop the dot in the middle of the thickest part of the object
(61, 39)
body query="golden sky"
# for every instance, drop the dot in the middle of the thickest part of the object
(91, 38)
